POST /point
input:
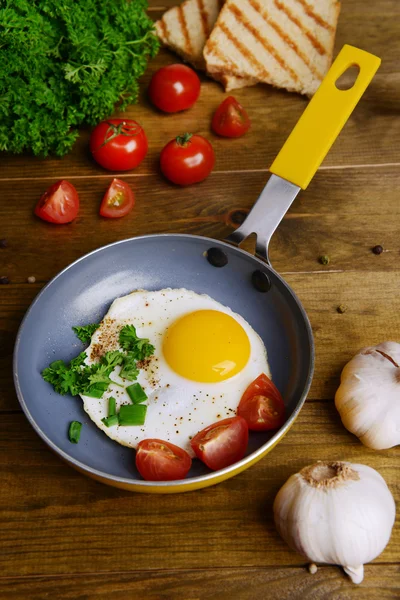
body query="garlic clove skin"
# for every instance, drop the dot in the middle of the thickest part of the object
(368, 398)
(336, 513)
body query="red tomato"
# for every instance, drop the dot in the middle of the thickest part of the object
(262, 406)
(59, 204)
(118, 144)
(187, 159)
(157, 460)
(174, 88)
(118, 200)
(222, 443)
(230, 119)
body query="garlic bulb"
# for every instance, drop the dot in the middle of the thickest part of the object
(336, 513)
(368, 398)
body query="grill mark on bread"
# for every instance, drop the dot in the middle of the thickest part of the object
(286, 38)
(217, 52)
(241, 18)
(204, 17)
(317, 18)
(183, 24)
(262, 72)
(314, 41)
(164, 30)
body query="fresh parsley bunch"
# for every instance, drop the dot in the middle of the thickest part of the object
(67, 62)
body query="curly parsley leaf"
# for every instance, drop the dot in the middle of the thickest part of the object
(65, 63)
(129, 369)
(139, 348)
(85, 332)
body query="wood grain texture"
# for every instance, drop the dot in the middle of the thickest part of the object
(207, 584)
(63, 522)
(343, 213)
(64, 536)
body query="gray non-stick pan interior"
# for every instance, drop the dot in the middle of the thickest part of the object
(82, 293)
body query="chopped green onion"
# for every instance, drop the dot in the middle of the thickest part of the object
(94, 392)
(132, 414)
(110, 421)
(74, 432)
(136, 393)
(111, 406)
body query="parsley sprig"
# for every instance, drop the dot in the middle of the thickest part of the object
(68, 62)
(76, 377)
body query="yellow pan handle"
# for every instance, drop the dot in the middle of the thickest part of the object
(324, 118)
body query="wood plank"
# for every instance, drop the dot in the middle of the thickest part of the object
(381, 583)
(371, 299)
(56, 521)
(273, 112)
(343, 213)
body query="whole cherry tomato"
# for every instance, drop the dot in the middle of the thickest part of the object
(174, 88)
(187, 159)
(118, 144)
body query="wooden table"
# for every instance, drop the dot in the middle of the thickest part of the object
(66, 536)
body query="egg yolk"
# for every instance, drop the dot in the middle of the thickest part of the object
(206, 346)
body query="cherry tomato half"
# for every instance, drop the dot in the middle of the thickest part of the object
(174, 88)
(118, 200)
(262, 406)
(157, 460)
(59, 204)
(187, 159)
(118, 144)
(222, 443)
(230, 119)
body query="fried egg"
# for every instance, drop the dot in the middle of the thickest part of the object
(205, 357)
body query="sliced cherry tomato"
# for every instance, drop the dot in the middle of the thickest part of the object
(59, 204)
(230, 119)
(262, 406)
(187, 159)
(118, 144)
(222, 443)
(157, 460)
(118, 200)
(174, 88)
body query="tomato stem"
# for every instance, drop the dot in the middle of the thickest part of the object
(122, 128)
(184, 139)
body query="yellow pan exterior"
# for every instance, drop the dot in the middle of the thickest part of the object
(187, 486)
(324, 118)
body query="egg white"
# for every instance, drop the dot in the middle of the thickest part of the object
(177, 408)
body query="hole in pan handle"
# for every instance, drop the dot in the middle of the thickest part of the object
(307, 146)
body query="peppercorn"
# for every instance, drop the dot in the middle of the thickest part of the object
(377, 249)
(3, 243)
(4, 280)
(341, 309)
(324, 259)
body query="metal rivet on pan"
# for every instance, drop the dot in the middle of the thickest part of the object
(216, 257)
(261, 281)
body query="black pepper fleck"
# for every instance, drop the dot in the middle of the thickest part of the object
(4, 280)
(377, 249)
(261, 281)
(217, 257)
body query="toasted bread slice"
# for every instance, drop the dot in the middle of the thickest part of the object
(286, 43)
(185, 29)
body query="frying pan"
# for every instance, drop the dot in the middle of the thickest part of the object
(82, 293)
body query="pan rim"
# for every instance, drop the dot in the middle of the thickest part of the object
(209, 477)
